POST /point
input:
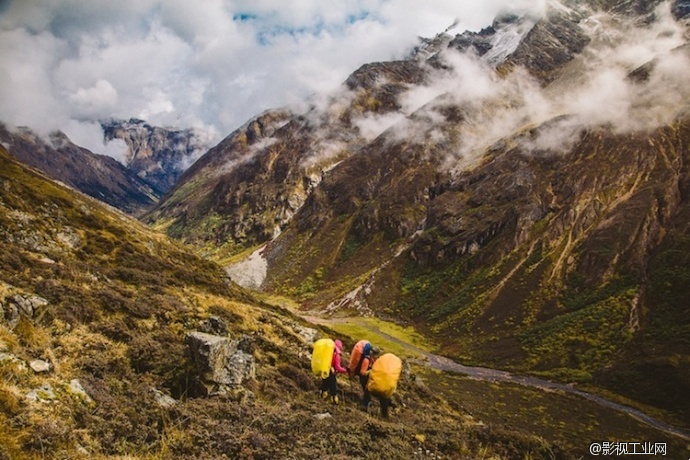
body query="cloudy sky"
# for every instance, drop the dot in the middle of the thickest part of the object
(209, 64)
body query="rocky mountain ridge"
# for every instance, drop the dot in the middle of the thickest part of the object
(157, 155)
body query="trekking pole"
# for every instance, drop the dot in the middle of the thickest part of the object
(352, 393)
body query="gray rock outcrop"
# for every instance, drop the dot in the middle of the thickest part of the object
(222, 363)
(214, 325)
(163, 400)
(157, 155)
(18, 305)
(44, 393)
(77, 390)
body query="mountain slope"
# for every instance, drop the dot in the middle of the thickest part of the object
(97, 318)
(244, 191)
(537, 254)
(99, 176)
(511, 193)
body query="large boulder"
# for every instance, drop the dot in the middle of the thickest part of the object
(222, 363)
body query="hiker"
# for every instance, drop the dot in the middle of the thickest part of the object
(329, 385)
(382, 381)
(369, 355)
(359, 352)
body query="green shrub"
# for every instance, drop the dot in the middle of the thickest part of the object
(586, 339)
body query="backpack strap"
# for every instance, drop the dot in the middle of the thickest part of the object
(359, 364)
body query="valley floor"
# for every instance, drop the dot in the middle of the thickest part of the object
(556, 411)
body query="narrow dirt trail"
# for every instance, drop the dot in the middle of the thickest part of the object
(442, 363)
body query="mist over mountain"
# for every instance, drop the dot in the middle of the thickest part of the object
(68, 65)
(496, 82)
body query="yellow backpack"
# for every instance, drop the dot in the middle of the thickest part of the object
(383, 379)
(322, 357)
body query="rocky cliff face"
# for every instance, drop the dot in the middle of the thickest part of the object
(510, 192)
(157, 155)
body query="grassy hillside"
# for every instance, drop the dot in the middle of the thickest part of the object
(110, 304)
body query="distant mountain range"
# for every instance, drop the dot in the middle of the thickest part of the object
(156, 158)
(99, 176)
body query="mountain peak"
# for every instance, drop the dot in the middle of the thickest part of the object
(159, 156)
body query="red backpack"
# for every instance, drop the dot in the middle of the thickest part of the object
(359, 351)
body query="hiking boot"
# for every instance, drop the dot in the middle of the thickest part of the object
(335, 400)
(324, 395)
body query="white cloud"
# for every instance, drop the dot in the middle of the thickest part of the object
(211, 64)
(96, 100)
(371, 126)
(90, 136)
(27, 91)
(594, 90)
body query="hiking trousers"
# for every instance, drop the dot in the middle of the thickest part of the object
(330, 384)
(384, 402)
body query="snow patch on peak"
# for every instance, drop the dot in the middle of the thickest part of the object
(507, 39)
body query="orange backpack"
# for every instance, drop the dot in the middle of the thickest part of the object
(356, 356)
(384, 375)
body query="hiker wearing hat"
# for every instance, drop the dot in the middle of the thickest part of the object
(329, 385)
